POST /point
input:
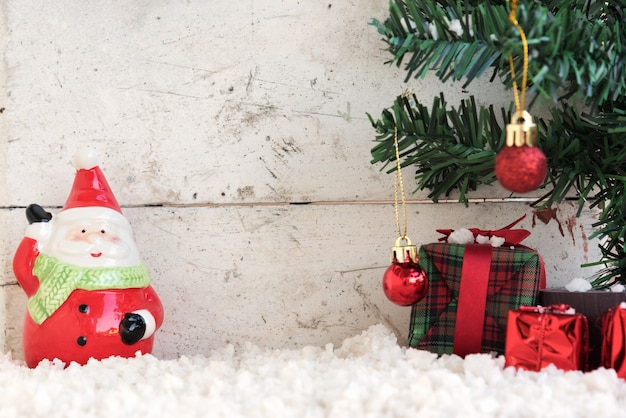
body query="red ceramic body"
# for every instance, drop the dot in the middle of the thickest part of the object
(87, 324)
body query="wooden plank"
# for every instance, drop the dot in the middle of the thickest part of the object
(217, 103)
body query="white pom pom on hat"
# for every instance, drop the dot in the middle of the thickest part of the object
(85, 159)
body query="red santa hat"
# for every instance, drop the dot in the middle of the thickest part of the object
(90, 187)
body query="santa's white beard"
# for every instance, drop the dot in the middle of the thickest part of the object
(92, 250)
(95, 254)
(107, 249)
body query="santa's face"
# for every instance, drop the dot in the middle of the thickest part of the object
(91, 237)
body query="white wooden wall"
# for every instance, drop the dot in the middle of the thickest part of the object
(212, 118)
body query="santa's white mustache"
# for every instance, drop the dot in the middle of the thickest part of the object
(106, 248)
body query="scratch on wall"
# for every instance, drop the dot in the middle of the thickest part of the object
(347, 114)
(312, 323)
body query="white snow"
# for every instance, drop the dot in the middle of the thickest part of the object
(618, 288)
(494, 241)
(408, 24)
(455, 26)
(482, 239)
(433, 31)
(370, 375)
(578, 285)
(461, 236)
(465, 236)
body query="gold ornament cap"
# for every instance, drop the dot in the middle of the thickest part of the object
(521, 131)
(400, 252)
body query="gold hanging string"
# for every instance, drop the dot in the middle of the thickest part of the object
(519, 98)
(399, 185)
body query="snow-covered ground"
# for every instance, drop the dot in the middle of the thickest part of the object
(370, 375)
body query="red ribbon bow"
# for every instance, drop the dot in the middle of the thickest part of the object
(511, 236)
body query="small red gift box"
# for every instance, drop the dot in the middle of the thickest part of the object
(613, 326)
(538, 336)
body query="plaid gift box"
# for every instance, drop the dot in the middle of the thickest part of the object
(613, 326)
(539, 336)
(471, 290)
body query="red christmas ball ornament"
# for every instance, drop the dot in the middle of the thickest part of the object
(520, 166)
(404, 283)
(521, 169)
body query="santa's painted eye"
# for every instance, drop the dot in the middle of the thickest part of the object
(83, 231)
(103, 231)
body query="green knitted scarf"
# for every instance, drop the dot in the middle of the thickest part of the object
(57, 280)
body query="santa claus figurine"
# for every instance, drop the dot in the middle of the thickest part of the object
(89, 295)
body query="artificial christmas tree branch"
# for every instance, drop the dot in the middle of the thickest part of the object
(450, 148)
(576, 52)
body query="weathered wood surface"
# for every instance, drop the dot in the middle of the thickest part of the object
(210, 118)
(211, 102)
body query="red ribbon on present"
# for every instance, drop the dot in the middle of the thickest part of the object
(470, 312)
(511, 236)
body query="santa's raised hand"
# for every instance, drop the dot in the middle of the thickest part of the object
(89, 294)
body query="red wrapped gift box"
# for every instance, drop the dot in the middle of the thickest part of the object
(471, 290)
(613, 354)
(538, 336)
